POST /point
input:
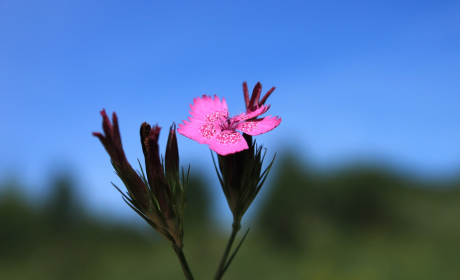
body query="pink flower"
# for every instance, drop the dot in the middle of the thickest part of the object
(210, 124)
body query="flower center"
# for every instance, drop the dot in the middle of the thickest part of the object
(229, 124)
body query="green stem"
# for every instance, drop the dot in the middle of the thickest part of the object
(236, 226)
(183, 263)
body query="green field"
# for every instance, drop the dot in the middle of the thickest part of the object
(354, 223)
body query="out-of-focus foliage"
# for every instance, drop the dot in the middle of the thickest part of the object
(362, 223)
(356, 223)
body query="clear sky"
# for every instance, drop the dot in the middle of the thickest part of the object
(373, 80)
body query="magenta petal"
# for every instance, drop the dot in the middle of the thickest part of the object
(228, 142)
(198, 130)
(259, 126)
(207, 108)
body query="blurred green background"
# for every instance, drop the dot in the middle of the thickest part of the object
(353, 222)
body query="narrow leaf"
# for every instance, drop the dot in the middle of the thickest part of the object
(234, 253)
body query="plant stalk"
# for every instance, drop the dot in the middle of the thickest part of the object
(236, 226)
(183, 263)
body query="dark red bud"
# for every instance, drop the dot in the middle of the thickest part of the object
(153, 166)
(172, 154)
(112, 140)
(112, 143)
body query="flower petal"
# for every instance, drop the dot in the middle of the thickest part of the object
(259, 126)
(199, 130)
(228, 142)
(209, 109)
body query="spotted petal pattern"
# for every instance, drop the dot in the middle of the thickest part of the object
(228, 142)
(206, 118)
(259, 126)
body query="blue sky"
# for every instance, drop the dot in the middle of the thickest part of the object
(356, 80)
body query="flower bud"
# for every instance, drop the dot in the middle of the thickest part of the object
(158, 199)
(112, 143)
(172, 156)
(154, 168)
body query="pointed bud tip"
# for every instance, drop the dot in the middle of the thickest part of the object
(173, 128)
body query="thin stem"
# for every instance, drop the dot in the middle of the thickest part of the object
(236, 226)
(183, 263)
